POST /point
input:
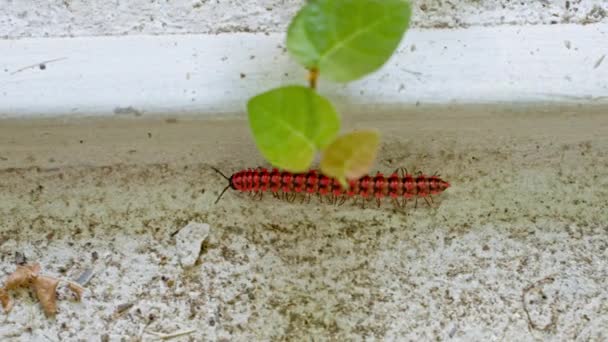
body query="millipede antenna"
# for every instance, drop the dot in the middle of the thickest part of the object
(226, 188)
(222, 194)
(220, 172)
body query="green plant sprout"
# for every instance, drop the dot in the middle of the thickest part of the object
(337, 40)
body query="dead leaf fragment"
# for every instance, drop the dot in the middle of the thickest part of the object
(23, 276)
(45, 288)
(77, 290)
(7, 303)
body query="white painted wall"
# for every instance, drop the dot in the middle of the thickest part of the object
(207, 74)
(167, 56)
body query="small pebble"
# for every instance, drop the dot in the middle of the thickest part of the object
(189, 241)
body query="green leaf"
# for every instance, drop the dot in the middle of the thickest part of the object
(290, 124)
(350, 156)
(347, 39)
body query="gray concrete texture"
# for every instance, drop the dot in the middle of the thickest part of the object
(515, 250)
(59, 18)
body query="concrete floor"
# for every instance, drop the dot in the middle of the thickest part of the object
(516, 249)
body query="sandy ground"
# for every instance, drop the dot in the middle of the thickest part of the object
(516, 249)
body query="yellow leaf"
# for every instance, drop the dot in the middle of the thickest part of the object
(350, 156)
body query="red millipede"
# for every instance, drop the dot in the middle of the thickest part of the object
(399, 185)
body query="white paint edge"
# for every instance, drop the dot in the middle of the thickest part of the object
(202, 73)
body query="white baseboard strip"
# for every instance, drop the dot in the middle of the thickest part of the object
(211, 74)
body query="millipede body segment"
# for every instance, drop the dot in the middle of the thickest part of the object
(399, 185)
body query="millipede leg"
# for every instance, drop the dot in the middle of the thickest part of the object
(342, 200)
(378, 201)
(401, 170)
(401, 203)
(427, 201)
(416, 203)
(366, 201)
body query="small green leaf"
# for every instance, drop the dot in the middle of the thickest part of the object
(347, 39)
(350, 156)
(290, 124)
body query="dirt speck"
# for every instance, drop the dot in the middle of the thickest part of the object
(128, 111)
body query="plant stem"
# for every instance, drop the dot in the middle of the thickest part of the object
(313, 75)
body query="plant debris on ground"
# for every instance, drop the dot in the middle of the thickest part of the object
(45, 288)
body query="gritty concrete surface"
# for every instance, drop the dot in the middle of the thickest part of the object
(43, 18)
(515, 250)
